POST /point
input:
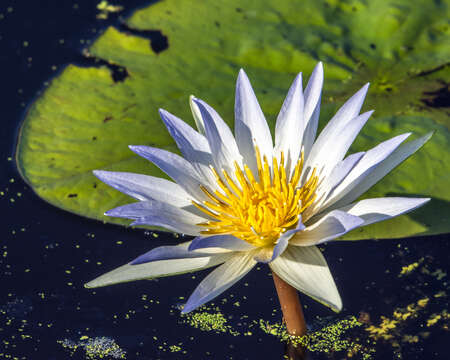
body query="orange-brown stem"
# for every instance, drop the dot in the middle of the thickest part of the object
(290, 306)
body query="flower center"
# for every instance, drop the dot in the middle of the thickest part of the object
(257, 211)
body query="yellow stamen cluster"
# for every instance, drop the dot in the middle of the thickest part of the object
(257, 211)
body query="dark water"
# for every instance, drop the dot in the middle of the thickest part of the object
(46, 255)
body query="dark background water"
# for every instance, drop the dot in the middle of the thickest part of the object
(46, 255)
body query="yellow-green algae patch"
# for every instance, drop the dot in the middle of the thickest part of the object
(210, 320)
(329, 339)
(408, 269)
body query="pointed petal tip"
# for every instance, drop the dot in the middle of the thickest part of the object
(337, 308)
(109, 213)
(192, 99)
(242, 76)
(90, 285)
(197, 101)
(428, 136)
(99, 173)
(137, 149)
(318, 69)
(299, 79)
(188, 307)
(185, 310)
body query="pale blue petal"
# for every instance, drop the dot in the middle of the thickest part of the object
(329, 136)
(290, 125)
(334, 151)
(228, 242)
(369, 176)
(340, 171)
(168, 253)
(343, 194)
(144, 187)
(157, 213)
(157, 269)
(311, 113)
(221, 140)
(250, 125)
(280, 246)
(194, 146)
(220, 280)
(179, 169)
(332, 225)
(379, 209)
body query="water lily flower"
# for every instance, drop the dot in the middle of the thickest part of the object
(247, 200)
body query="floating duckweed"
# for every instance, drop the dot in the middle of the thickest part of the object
(439, 274)
(423, 302)
(433, 319)
(174, 348)
(410, 339)
(408, 269)
(383, 331)
(441, 293)
(206, 321)
(326, 340)
(95, 348)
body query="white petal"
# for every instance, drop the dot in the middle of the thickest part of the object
(156, 269)
(311, 113)
(329, 136)
(190, 142)
(194, 146)
(179, 169)
(332, 225)
(396, 157)
(197, 116)
(379, 209)
(221, 140)
(266, 255)
(143, 187)
(306, 269)
(332, 152)
(156, 213)
(250, 125)
(220, 241)
(290, 124)
(340, 171)
(220, 280)
(344, 193)
(159, 253)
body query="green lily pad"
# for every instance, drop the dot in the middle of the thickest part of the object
(85, 120)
